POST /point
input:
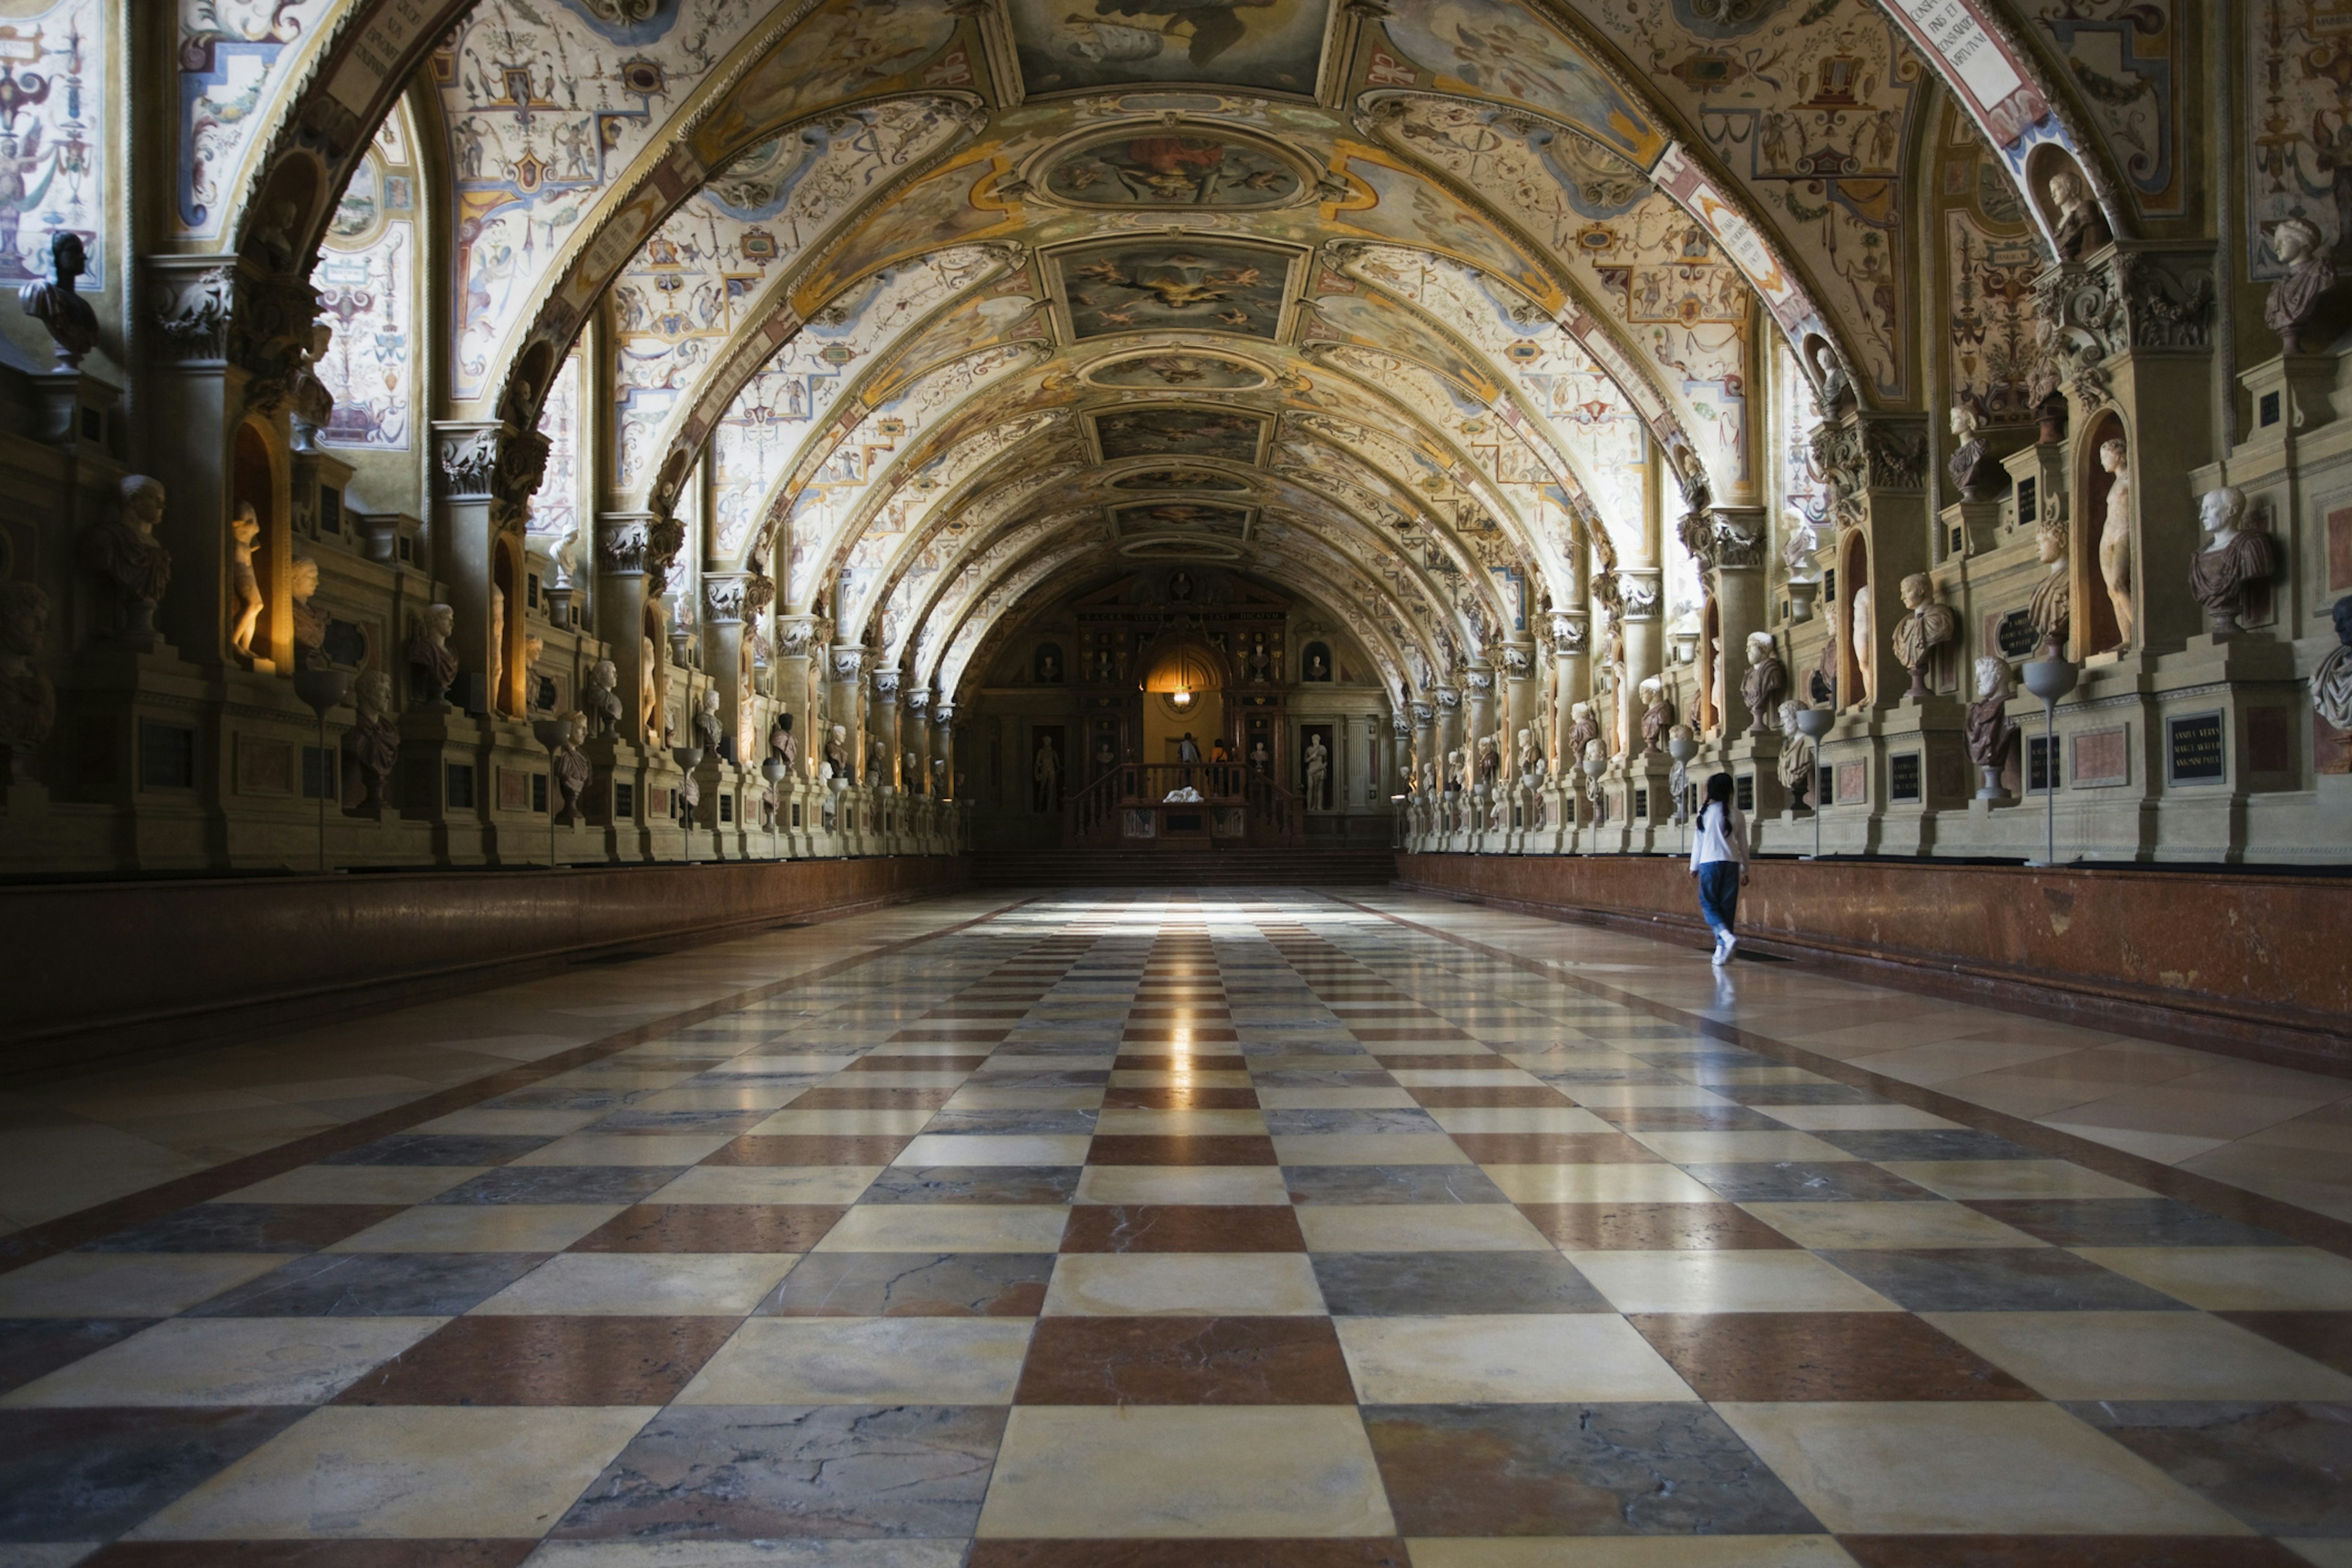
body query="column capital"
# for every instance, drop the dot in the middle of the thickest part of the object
(638, 545)
(943, 713)
(885, 685)
(1725, 537)
(848, 661)
(1641, 590)
(1448, 699)
(1423, 714)
(795, 635)
(917, 700)
(1571, 631)
(725, 597)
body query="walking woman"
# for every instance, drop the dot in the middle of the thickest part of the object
(1719, 861)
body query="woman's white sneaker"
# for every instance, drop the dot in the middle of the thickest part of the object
(1722, 952)
(1726, 948)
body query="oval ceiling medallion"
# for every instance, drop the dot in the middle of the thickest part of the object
(1156, 167)
(1175, 372)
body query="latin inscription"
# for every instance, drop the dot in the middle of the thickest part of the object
(2194, 745)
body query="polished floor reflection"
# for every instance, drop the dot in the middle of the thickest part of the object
(1249, 1229)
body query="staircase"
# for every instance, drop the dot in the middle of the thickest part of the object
(1165, 869)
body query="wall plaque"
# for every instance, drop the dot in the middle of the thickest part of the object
(1852, 783)
(2103, 757)
(2037, 765)
(1743, 791)
(1902, 776)
(2340, 549)
(264, 767)
(2016, 635)
(2193, 749)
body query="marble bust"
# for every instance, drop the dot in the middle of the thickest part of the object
(1926, 627)
(1657, 713)
(2235, 556)
(1991, 733)
(430, 653)
(1766, 680)
(2310, 273)
(72, 325)
(1795, 766)
(123, 548)
(2052, 608)
(2331, 682)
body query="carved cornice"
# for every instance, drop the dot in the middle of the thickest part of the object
(196, 297)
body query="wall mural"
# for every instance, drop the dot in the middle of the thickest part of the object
(2121, 55)
(1231, 435)
(2299, 141)
(1070, 46)
(1177, 168)
(233, 59)
(555, 505)
(52, 139)
(1498, 50)
(1201, 283)
(366, 278)
(1177, 372)
(695, 285)
(1991, 256)
(545, 105)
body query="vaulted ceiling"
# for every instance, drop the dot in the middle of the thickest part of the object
(1427, 310)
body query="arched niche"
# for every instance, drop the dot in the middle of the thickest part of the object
(510, 689)
(2097, 628)
(1856, 685)
(1710, 667)
(1184, 684)
(259, 478)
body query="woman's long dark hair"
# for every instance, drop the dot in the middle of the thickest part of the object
(1718, 793)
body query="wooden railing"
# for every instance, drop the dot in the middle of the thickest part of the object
(1269, 815)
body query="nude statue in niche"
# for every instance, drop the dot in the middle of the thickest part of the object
(244, 586)
(2116, 540)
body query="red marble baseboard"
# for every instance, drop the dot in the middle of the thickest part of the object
(105, 970)
(2237, 962)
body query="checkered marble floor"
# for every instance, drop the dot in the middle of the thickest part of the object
(1228, 1230)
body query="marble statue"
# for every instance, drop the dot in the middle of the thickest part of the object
(1766, 680)
(2331, 682)
(1047, 774)
(1583, 730)
(1498, 809)
(310, 621)
(709, 729)
(603, 697)
(123, 548)
(1803, 540)
(72, 325)
(244, 587)
(429, 653)
(1928, 626)
(1865, 646)
(534, 645)
(1795, 768)
(1657, 714)
(2116, 540)
(877, 760)
(2236, 555)
(1261, 761)
(1531, 763)
(1992, 732)
(2052, 608)
(573, 769)
(375, 738)
(1974, 473)
(2310, 273)
(650, 686)
(29, 701)
(910, 773)
(2078, 227)
(836, 754)
(498, 651)
(1678, 775)
(1488, 760)
(1318, 772)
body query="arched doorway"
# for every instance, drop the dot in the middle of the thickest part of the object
(1183, 693)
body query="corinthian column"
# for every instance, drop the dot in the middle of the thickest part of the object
(847, 669)
(884, 722)
(918, 704)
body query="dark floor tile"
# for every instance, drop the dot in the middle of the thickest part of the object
(760, 1149)
(1391, 1185)
(712, 1228)
(546, 1361)
(1571, 1078)
(1689, 1118)
(1296, 1553)
(438, 1149)
(2325, 1336)
(1168, 1098)
(1042, 1077)
(974, 1185)
(1801, 1180)
(475, 1554)
(2125, 1222)
(1554, 1148)
(1996, 1280)
(34, 1347)
(912, 1284)
(2280, 1467)
(1053, 1123)
(1365, 1076)
(88, 1474)
(1146, 1149)
(640, 1121)
(1789, 1093)
(567, 1097)
(726, 1472)
(2067, 1551)
(833, 1098)
(1821, 1356)
(1436, 1284)
(882, 1061)
(1653, 1228)
(1182, 1227)
(1575, 1469)
(1931, 1144)
(1376, 1034)
(563, 1184)
(1440, 1061)
(1468, 1096)
(1303, 1123)
(248, 1228)
(1184, 1361)
(374, 1285)
(1207, 1034)
(1194, 1061)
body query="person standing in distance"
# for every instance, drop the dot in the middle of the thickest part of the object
(1720, 860)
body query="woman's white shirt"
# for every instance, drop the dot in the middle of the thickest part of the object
(1721, 833)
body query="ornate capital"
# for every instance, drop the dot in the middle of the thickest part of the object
(467, 458)
(724, 596)
(943, 713)
(885, 686)
(665, 536)
(1572, 631)
(1480, 681)
(1423, 714)
(795, 635)
(915, 702)
(1725, 536)
(1641, 591)
(195, 297)
(2167, 296)
(1401, 726)
(1519, 663)
(1448, 699)
(623, 539)
(848, 662)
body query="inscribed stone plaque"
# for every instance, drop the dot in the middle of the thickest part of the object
(263, 766)
(2103, 757)
(2340, 549)
(2269, 742)
(1852, 783)
(2037, 765)
(2016, 636)
(1743, 791)
(514, 790)
(1902, 776)
(2193, 749)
